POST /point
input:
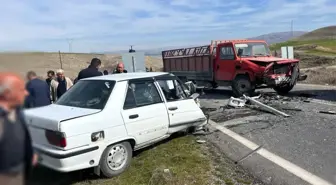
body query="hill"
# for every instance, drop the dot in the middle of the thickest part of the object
(277, 37)
(324, 33)
(72, 63)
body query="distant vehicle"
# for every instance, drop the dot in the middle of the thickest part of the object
(101, 120)
(242, 64)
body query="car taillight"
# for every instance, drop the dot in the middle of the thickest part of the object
(56, 138)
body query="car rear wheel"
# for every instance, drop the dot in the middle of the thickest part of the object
(116, 159)
(242, 85)
(284, 89)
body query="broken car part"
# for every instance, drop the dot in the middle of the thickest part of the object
(249, 154)
(236, 102)
(266, 107)
(327, 112)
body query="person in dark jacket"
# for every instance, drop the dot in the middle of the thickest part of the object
(16, 152)
(91, 71)
(120, 68)
(39, 91)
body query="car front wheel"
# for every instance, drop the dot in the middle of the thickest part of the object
(115, 159)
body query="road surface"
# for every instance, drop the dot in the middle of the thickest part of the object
(306, 139)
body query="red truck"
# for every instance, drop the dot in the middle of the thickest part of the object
(245, 65)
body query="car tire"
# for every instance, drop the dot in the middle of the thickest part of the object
(283, 90)
(242, 85)
(115, 159)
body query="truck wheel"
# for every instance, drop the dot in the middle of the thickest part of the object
(282, 90)
(242, 85)
(116, 159)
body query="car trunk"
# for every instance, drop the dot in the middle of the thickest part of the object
(44, 122)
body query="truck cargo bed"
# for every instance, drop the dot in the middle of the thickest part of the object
(194, 63)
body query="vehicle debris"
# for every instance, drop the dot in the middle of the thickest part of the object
(249, 154)
(266, 107)
(327, 112)
(292, 109)
(236, 102)
(200, 141)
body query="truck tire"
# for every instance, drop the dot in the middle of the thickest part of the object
(242, 85)
(283, 90)
(115, 159)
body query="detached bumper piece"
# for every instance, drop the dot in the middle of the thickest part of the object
(302, 77)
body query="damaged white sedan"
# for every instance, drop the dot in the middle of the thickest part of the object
(100, 121)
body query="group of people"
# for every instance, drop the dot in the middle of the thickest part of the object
(16, 162)
(42, 93)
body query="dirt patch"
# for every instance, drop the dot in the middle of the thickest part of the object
(72, 63)
(324, 76)
(307, 60)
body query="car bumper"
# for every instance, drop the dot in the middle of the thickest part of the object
(67, 161)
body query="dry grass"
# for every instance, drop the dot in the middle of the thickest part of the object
(321, 76)
(179, 161)
(72, 62)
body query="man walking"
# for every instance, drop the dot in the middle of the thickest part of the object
(52, 85)
(120, 68)
(39, 91)
(64, 83)
(91, 71)
(16, 152)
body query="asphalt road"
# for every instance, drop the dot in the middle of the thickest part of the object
(307, 138)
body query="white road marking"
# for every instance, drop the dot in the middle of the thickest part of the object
(292, 168)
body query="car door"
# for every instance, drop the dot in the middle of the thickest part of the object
(144, 111)
(182, 110)
(226, 63)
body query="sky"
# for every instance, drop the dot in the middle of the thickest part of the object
(109, 25)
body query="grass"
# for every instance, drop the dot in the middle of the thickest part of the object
(319, 52)
(182, 156)
(321, 76)
(327, 43)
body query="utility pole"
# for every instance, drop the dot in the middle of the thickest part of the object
(70, 44)
(292, 29)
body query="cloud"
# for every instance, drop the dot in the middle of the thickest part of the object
(103, 25)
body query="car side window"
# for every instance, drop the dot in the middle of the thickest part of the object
(226, 52)
(141, 94)
(172, 90)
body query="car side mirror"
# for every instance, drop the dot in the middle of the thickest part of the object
(240, 52)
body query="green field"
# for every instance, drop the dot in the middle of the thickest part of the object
(327, 43)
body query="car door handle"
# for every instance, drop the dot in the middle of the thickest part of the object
(172, 108)
(133, 116)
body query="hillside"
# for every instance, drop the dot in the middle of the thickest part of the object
(277, 37)
(324, 33)
(72, 62)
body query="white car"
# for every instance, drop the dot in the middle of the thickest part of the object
(100, 121)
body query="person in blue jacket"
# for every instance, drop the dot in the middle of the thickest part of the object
(39, 91)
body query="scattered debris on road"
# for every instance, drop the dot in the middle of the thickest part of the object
(249, 154)
(236, 102)
(266, 107)
(327, 112)
(200, 141)
(292, 109)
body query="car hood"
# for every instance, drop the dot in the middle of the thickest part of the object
(271, 59)
(50, 116)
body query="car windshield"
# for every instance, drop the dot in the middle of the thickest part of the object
(253, 49)
(91, 94)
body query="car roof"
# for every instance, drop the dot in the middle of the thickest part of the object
(127, 76)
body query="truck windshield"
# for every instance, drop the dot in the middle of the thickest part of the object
(253, 49)
(91, 94)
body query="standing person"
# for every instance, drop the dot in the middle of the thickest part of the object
(39, 91)
(16, 151)
(52, 85)
(91, 71)
(120, 68)
(64, 83)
